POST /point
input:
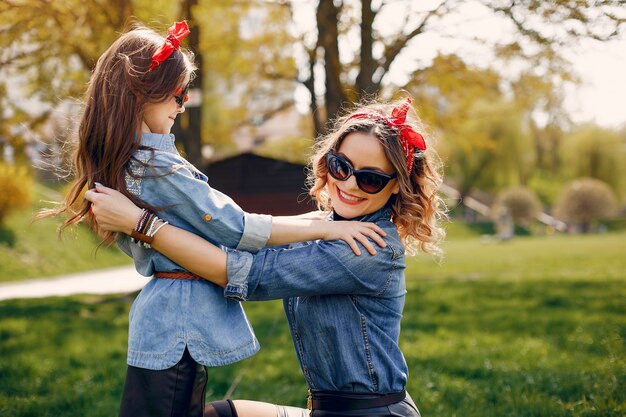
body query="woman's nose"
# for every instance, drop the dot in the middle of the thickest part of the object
(351, 183)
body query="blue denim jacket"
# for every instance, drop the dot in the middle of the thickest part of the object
(343, 310)
(170, 314)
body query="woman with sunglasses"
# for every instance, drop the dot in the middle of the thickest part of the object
(343, 310)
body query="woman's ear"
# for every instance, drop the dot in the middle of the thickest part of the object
(396, 188)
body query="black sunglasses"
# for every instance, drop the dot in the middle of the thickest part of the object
(180, 95)
(368, 180)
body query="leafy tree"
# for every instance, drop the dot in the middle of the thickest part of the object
(585, 200)
(338, 50)
(248, 65)
(597, 153)
(480, 131)
(335, 76)
(488, 148)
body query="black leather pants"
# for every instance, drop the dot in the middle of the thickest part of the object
(175, 392)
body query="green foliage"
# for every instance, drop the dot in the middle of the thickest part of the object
(491, 148)
(546, 186)
(597, 153)
(585, 200)
(16, 186)
(249, 70)
(484, 137)
(35, 251)
(528, 328)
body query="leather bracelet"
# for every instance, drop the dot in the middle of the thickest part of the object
(141, 237)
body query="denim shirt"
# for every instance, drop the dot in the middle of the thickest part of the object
(343, 310)
(168, 314)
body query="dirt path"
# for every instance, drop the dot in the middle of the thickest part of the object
(107, 281)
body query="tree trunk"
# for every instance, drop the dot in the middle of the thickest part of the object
(188, 126)
(364, 81)
(328, 39)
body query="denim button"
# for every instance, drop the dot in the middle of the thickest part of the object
(207, 217)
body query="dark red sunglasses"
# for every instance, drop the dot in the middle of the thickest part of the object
(367, 180)
(180, 95)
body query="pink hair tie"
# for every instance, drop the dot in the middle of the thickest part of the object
(409, 138)
(175, 34)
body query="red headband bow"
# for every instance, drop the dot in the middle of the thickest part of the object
(176, 33)
(409, 138)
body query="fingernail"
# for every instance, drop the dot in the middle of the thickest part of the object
(98, 184)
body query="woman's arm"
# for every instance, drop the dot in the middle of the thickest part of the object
(287, 230)
(115, 212)
(193, 253)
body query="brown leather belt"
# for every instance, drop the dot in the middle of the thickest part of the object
(178, 275)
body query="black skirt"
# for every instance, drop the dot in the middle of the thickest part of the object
(174, 392)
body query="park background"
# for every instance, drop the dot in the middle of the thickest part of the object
(525, 314)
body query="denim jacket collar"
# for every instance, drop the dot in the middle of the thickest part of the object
(158, 141)
(383, 213)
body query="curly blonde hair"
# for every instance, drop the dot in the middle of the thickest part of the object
(417, 208)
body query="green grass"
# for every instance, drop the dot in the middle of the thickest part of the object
(531, 327)
(34, 250)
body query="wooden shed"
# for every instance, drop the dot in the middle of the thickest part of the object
(262, 185)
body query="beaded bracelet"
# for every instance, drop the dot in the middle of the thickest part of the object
(139, 225)
(147, 226)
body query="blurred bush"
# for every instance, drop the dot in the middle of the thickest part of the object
(585, 200)
(522, 204)
(597, 153)
(16, 188)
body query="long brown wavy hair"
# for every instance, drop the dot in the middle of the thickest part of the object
(417, 208)
(109, 132)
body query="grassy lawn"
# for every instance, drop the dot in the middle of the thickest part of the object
(34, 250)
(531, 327)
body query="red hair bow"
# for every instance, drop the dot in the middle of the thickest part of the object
(409, 138)
(175, 34)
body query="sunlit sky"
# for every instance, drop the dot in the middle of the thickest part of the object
(602, 94)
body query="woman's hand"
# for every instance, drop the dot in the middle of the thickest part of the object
(112, 210)
(352, 232)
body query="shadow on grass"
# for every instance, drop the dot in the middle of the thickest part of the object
(7, 236)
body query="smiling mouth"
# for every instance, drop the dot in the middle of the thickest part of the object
(348, 197)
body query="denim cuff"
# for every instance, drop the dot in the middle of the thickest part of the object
(256, 232)
(238, 265)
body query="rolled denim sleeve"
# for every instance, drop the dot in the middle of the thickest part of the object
(256, 232)
(318, 268)
(189, 202)
(238, 265)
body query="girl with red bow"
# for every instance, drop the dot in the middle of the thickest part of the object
(344, 311)
(179, 324)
